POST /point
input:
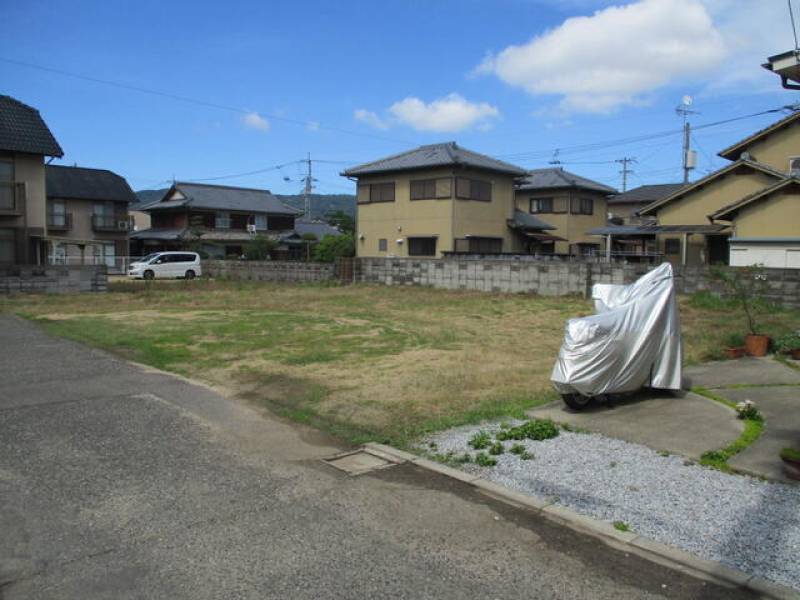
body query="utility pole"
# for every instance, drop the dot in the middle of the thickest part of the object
(625, 171)
(689, 155)
(309, 184)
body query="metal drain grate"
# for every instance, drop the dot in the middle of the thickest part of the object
(358, 462)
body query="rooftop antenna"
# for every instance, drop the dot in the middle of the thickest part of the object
(794, 28)
(689, 155)
(555, 160)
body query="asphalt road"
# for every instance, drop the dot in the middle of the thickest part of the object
(118, 482)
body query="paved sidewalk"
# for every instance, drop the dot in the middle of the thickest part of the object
(775, 388)
(121, 483)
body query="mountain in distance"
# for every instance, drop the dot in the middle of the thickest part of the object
(321, 204)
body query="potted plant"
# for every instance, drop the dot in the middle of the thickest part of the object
(734, 346)
(746, 285)
(789, 343)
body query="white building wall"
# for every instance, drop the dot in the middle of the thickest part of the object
(778, 256)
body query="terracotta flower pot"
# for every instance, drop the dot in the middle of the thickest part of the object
(735, 351)
(756, 344)
(795, 353)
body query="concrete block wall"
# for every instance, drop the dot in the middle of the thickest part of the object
(269, 270)
(549, 278)
(55, 279)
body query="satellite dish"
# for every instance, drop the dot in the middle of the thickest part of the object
(686, 100)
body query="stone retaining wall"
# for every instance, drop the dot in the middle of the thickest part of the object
(55, 279)
(269, 270)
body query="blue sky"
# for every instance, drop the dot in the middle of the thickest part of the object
(353, 81)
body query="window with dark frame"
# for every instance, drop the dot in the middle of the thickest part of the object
(479, 245)
(541, 205)
(7, 201)
(473, 189)
(381, 192)
(423, 189)
(422, 246)
(383, 245)
(672, 246)
(582, 206)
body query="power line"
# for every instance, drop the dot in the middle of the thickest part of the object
(195, 101)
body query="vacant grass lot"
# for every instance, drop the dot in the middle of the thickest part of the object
(365, 362)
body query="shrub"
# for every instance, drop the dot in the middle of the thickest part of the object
(496, 449)
(734, 340)
(334, 246)
(746, 285)
(517, 449)
(535, 429)
(484, 460)
(748, 410)
(259, 248)
(790, 454)
(480, 440)
(788, 341)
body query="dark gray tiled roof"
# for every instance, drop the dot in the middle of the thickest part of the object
(157, 234)
(645, 194)
(87, 184)
(221, 197)
(22, 129)
(448, 154)
(318, 228)
(554, 178)
(523, 220)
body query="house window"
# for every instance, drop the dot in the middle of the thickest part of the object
(222, 220)
(6, 185)
(7, 246)
(58, 214)
(672, 246)
(260, 221)
(277, 223)
(473, 189)
(383, 245)
(541, 205)
(429, 189)
(103, 214)
(582, 206)
(381, 192)
(794, 166)
(479, 245)
(422, 246)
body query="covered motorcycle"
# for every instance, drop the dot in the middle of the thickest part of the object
(633, 341)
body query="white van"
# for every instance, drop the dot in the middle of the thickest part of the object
(166, 265)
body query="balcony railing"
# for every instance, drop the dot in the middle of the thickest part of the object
(59, 222)
(111, 222)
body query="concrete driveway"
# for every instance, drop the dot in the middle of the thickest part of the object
(119, 483)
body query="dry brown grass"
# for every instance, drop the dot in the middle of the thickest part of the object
(365, 361)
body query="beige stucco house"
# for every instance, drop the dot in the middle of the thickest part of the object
(438, 199)
(87, 216)
(571, 203)
(25, 141)
(693, 228)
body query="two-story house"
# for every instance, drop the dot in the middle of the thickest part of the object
(741, 213)
(571, 203)
(437, 199)
(215, 219)
(25, 141)
(623, 209)
(87, 216)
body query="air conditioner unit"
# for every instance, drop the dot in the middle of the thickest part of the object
(251, 228)
(122, 225)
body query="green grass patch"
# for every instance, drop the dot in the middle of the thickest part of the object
(621, 526)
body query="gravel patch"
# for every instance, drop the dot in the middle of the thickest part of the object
(740, 521)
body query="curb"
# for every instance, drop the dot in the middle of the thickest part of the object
(633, 543)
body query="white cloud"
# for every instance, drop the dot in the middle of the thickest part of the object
(370, 118)
(615, 57)
(255, 121)
(449, 114)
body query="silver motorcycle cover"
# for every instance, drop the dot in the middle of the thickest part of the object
(633, 340)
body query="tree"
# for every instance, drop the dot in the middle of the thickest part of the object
(342, 220)
(333, 246)
(259, 247)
